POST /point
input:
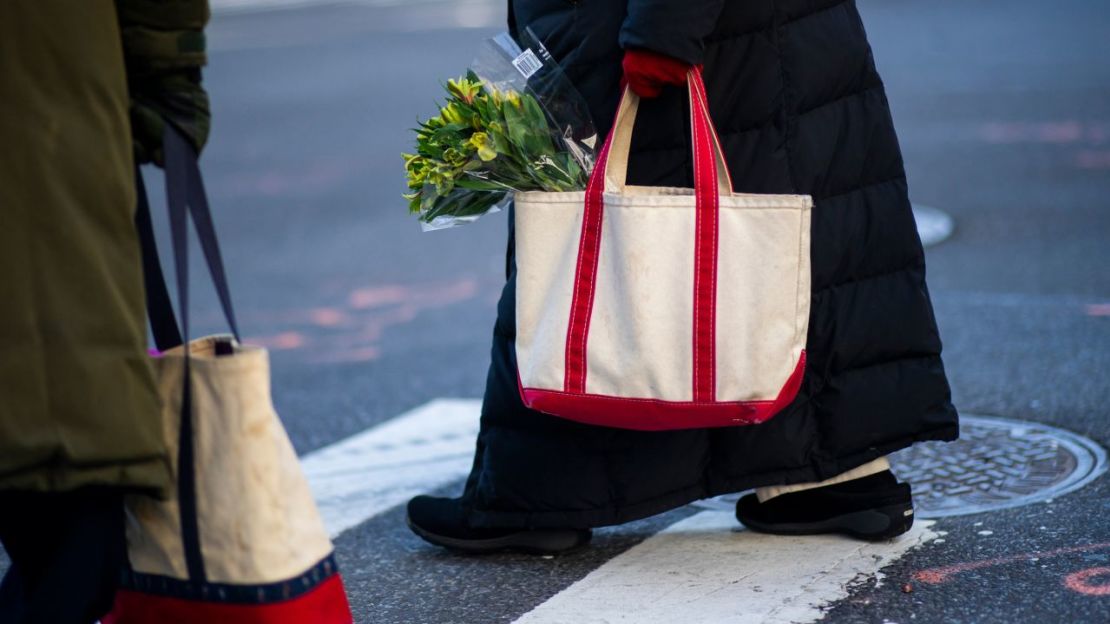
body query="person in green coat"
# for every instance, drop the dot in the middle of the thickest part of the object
(87, 88)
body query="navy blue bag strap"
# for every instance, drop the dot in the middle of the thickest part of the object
(159, 308)
(185, 197)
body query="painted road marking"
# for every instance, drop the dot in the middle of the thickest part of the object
(936, 576)
(352, 321)
(371, 472)
(1098, 309)
(1090, 582)
(704, 569)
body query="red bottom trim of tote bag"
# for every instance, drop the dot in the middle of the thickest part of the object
(324, 604)
(657, 415)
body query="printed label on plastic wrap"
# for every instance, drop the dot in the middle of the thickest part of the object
(527, 63)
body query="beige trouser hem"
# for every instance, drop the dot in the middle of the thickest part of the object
(765, 494)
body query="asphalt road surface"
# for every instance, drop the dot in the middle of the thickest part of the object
(1003, 110)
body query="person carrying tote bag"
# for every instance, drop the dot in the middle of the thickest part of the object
(800, 110)
(79, 405)
(239, 540)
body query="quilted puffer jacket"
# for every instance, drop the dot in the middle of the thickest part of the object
(800, 108)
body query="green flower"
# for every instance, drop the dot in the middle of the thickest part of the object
(451, 114)
(481, 142)
(464, 89)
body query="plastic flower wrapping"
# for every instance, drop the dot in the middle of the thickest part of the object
(513, 123)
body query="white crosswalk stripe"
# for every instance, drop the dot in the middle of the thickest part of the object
(732, 575)
(360, 477)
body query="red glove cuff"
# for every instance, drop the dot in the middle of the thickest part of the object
(647, 72)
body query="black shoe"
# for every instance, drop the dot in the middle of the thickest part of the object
(442, 521)
(875, 507)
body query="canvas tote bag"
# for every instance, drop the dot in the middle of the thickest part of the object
(240, 539)
(658, 308)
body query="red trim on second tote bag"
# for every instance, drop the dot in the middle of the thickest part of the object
(705, 246)
(705, 257)
(326, 604)
(585, 275)
(717, 145)
(657, 415)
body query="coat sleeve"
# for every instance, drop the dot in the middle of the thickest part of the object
(677, 28)
(164, 51)
(161, 35)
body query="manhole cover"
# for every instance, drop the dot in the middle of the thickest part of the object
(997, 463)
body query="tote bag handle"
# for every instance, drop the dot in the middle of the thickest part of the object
(711, 180)
(185, 197)
(614, 166)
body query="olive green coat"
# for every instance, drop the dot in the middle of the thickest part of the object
(78, 403)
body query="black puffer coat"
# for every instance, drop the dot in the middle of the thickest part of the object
(800, 108)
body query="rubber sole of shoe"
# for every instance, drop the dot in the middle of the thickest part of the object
(877, 524)
(533, 541)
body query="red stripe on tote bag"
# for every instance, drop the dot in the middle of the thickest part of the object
(705, 249)
(325, 602)
(658, 415)
(589, 250)
(705, 260)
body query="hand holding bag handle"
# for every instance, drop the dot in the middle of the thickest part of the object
(615, 167)
(711, 179)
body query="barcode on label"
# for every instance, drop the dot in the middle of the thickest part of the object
(527, 63)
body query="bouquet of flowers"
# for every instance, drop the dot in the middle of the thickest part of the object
(496, 136)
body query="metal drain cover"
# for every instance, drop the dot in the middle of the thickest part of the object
(997, 463)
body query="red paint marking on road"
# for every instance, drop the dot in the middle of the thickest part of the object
(328, 317)
(362, 354)
(1093, 159)
(280, 342)
(997, 132)
(349, 330)
(372, 327)
(377, 296)
(1060, 132)
(1098, 309)
(426, 296)
(1081, 582)
(935, 576)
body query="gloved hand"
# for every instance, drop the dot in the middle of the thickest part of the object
(175, 97)
(647, 72)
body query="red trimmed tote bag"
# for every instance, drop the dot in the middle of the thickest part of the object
(238, 540)
(657, 308)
